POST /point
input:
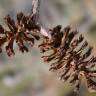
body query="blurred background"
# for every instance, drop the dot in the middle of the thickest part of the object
(26, 74)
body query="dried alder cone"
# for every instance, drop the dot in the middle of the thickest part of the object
(70, 56)
(25, 30)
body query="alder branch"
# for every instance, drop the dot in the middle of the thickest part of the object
(35, 10)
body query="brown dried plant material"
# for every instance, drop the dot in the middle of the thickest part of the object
(25, 30)
(71, 56)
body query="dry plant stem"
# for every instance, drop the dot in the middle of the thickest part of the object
(35, 10)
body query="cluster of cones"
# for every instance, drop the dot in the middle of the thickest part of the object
(23, 31)
(70, 54)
